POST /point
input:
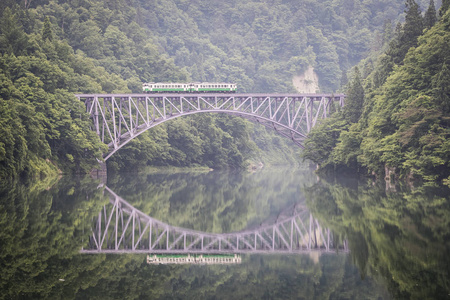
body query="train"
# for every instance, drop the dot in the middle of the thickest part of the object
(194, 87)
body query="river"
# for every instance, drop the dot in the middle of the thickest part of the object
(355, 239)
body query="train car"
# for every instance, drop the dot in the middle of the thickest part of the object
(166, 87)
(196, 87)
(214, 87)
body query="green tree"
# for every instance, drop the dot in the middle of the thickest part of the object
(13, 39)
(323, 139)
(412, 27)
(430, 17)
(46, 30)
(441, 88)
(355, 98)
(444, 7)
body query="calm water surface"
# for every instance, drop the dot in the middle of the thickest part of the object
(398, 240)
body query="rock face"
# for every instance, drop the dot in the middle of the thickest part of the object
(307, 82)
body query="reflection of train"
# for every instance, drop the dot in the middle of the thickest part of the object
(196, 87)
(208, 259)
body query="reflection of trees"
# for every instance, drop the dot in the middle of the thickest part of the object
(401, 238)
(42, 230)
(40, 233)
(213, 201)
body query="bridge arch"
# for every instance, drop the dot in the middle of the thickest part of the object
(119, 118)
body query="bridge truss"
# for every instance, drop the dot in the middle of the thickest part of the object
(119, 118)
(121, 228)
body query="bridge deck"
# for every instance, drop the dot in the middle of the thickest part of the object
(242, 95)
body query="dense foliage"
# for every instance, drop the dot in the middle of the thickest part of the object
(403, 128)
(51, 49)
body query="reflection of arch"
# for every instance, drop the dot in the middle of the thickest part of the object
(121, 228)
(118, 119)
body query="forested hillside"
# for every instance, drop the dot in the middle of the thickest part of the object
(262, 44)
(397, 119)
(50, 50)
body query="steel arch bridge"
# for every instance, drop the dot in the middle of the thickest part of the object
(119, 118)
(121, 228)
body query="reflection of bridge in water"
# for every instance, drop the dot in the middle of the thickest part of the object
(121, 228)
